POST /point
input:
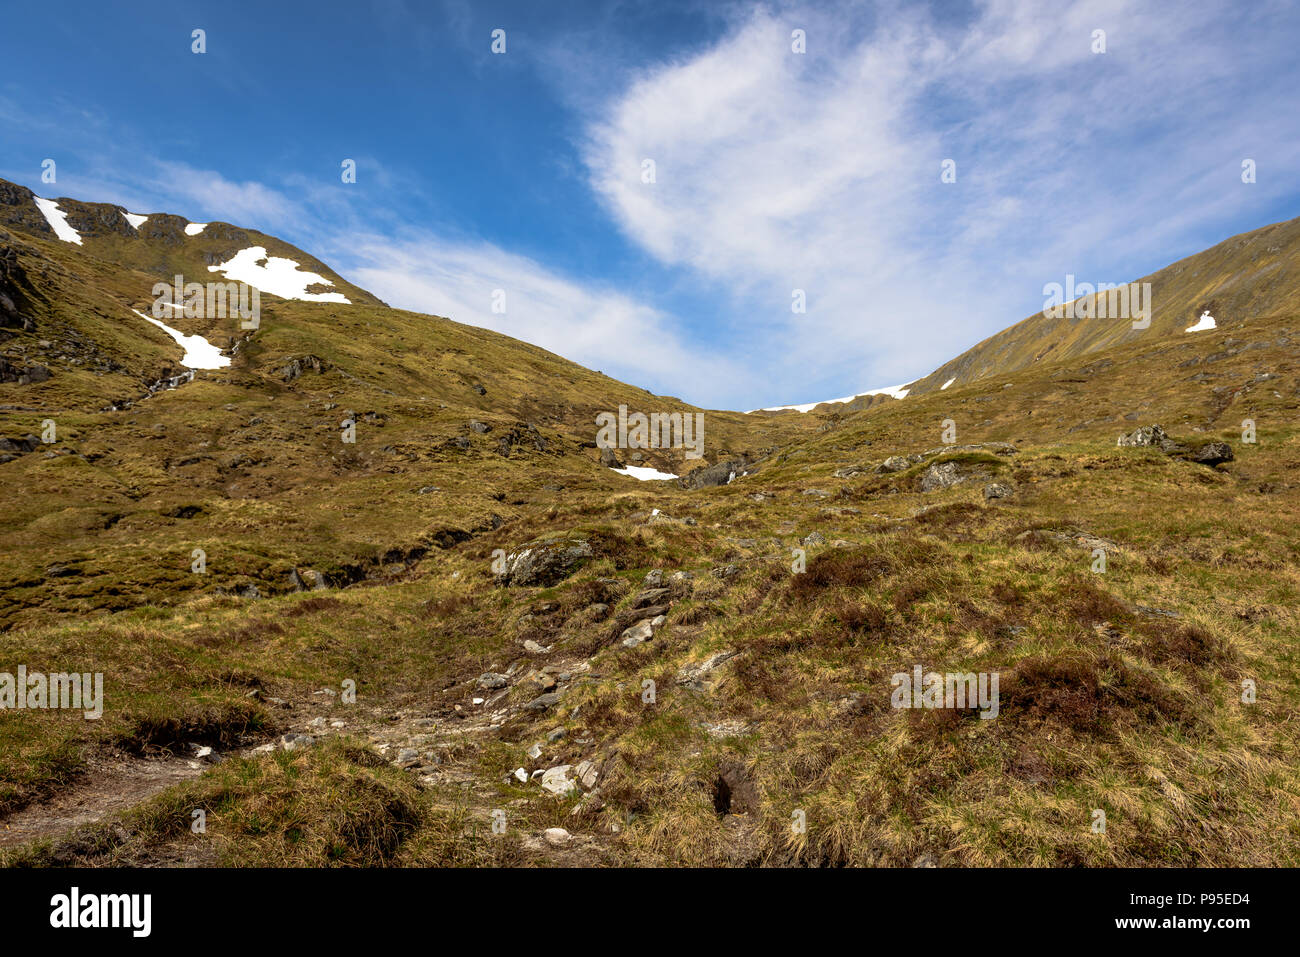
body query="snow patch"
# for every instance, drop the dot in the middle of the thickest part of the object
(946, 384)
(134, 219)
(275, 275)
(58, 220)
(645, 474)
(1205, 322)
(199, 353)
(897, 391)
(193, 229)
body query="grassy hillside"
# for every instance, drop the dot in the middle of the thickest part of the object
(160, 245)
(958, 531)
(1253, 274)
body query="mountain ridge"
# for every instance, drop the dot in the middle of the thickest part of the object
(376, 501)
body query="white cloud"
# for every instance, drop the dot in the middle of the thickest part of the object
(593, 326)
(777, 171)
(244, 204)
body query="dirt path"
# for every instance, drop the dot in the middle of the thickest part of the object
(112, 784)
(109, 786)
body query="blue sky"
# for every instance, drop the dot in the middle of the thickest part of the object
(775, 171)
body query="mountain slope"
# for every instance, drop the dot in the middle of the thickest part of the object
(672, 672)
(1249, 275)
(243, 451)
(161, 245)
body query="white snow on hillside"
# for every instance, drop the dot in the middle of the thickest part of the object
(199, 353)
(897, 391)
(193, 229)
(946, 384)
(1205, 322)
(275, 275)
(58, 220)
(644, 474)
(135, 219)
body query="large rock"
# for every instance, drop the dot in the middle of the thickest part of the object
(557, 781)
(720, 474)
(545, 562)
(640, 632)
(944, 475)
(557, 836)
(895, 463)
(300, 364)
(1146, 435)
(23, 375)
(1213, 453)
(587, 773)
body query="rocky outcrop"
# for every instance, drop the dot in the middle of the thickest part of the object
(895, 463)
(18, 210)
(1208, 453)
(1147, 435)
(297, 365)
(1213, 453)
(23, 375)
(13, 280)
(544, 562)
(713, 475)
(947, 474)
(10, 449)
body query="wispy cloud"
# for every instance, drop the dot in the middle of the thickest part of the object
(778, 171)
(597, 327)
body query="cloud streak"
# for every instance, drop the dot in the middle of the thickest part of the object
(589, 324)
(778, 171)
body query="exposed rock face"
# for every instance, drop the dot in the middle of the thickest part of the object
(1146, 435)
(307, 579)
(997, 490)
(945, 475)
(1213, 453)
(556, 781)
(10, 449)
(300, 364)
(523, 437)
(696, 676)
(895, 463)
(18, 209)
(544, 562)
(23, 375)
(850, 470)
(712, 475)
(12, 277)
(996, 448)
(1209, 453)
(96, 219)
(641, 632)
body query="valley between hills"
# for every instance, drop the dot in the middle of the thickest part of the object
(470, 636)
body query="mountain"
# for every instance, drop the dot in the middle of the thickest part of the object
(435, 402)
(157, 243)
(465, 639)
(1249, 275)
